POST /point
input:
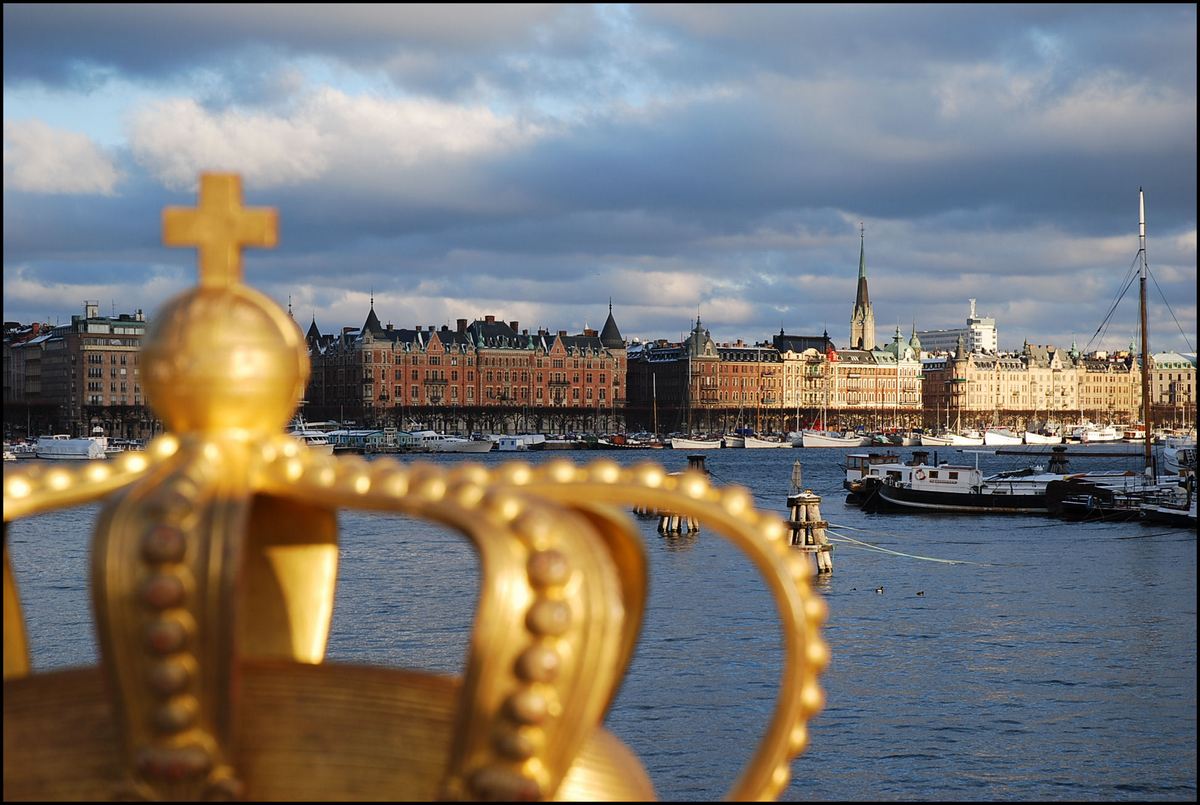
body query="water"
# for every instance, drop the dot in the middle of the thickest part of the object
(1056, 662)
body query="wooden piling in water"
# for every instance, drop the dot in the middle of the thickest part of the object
(808, 529)
(670, 522)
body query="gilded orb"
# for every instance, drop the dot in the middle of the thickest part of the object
(224, 359)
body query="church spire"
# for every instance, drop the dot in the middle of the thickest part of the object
(862, 320)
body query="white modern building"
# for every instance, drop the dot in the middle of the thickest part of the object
(978, 336)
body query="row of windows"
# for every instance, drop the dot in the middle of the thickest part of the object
(436, 360)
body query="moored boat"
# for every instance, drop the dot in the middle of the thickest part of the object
(441, 443)
(682, 443)
(315, 440)
(1000, 437)
(62, 446)
(1176, 508)
(756, 443)
(860, 466)
(824, 438)
(1179, 455)
(1041, 438)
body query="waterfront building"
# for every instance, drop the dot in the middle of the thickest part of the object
(1173, 388)
(803, 360)
(73, 377)
(487, 374)
(979, 335)
(1039, 384)
(874, 389)
(862, 319)
(701, 385)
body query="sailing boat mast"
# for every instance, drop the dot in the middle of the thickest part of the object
(1149, 454)
(654, 400)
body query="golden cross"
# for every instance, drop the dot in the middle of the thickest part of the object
(219, 227)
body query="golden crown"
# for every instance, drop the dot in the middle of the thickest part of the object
(213, 568)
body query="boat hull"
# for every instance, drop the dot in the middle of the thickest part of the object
(86, 449)
(695, 444)
(1169, 516)
(997, 439)
(465, 446)
(812, 438)
(974, 502)
(759, 444)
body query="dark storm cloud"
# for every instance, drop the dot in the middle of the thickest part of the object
(148, 39)
(908, 40)
(725, 153)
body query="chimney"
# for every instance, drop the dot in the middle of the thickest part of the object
(139, 315)
(431, 328)
(418, 328)
(525, 332)
(563, 333)
(588, 331)
(513, 325)
(489, 319)
(462, 325)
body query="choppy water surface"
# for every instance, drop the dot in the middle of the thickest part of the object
(1056, 661)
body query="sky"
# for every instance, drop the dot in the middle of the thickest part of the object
(534, 162)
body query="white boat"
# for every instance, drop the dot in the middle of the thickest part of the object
(1000, 437)
(511, 444)
(62, 446)
(441, 443)
(968, 439)
(680, 443)
(1105, 434)
(315, 440)
(518, 441)
(733, 440)
(1040, 438)
(1179, 455)
(754, 443)
(9, 455)
(824, 438)
(863, 465)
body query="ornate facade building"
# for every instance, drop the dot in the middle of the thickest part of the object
(700, 385)
(1173, 388)
(1037, 385)
(486, 374)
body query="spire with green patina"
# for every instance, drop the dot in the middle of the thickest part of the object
(862, 320)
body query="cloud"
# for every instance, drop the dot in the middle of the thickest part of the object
(330, 136)
(42, 159)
